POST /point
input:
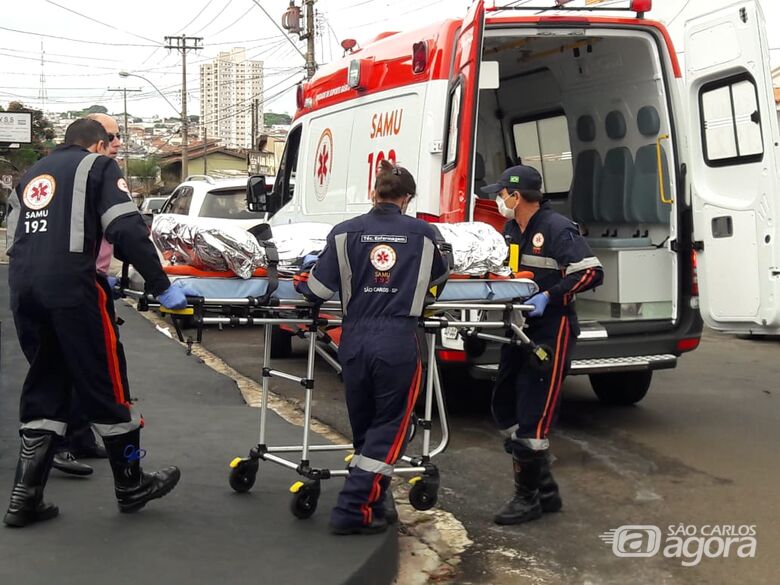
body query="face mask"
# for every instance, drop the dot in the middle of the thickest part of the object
(503, 209)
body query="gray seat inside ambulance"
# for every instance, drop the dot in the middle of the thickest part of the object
(644, 202)
(587, 175)
(615, 187)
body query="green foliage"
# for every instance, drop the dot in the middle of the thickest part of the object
(272, 119)
(144, 170)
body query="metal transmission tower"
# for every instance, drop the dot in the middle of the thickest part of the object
(182, 44)
(42, 91)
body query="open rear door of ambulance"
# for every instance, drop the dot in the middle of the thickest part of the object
(460, 129)
(734, 169)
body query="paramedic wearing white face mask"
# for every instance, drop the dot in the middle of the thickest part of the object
(525, 400)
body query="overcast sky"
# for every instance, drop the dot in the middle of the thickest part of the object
(128, 35)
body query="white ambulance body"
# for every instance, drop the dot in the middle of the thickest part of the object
(663, 175)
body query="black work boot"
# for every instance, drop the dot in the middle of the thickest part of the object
(66, 462)
(133, 487)
(32, 471)
(524, 506)
(549, 497)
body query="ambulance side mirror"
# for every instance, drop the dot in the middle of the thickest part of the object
(259, 198)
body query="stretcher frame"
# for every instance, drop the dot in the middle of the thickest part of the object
(298, 312)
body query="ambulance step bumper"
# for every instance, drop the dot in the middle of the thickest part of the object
(601, 365)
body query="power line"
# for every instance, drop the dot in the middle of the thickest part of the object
(61, 38)
(679, 12)
(111, 26)
(281, 30)
(194, 18)
(223, 29)
(222, 11)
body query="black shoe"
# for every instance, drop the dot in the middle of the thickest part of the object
(93, 451)
(549, 496)
(32, 471)
(377, 526)
(525, 505)
(66, 462)
(391, 512)
(520, 509)
(152, 486)
(133, 487)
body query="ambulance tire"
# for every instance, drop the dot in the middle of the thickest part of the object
(281, 342)
(621, 388)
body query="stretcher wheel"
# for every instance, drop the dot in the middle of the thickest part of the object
(243, 474)
(305, 498)
(542, 358)
(423, 495)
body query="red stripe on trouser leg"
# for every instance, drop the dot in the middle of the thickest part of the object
(109, 336)
(559, 383)
(414, 390)
(553, 375)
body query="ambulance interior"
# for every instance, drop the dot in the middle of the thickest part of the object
(589, 110)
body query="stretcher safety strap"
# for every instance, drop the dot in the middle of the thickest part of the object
(345, 271)
(13, 219)
(112, 430)
(44, 424)
(584, 264)
(79, 203)
(371, 465)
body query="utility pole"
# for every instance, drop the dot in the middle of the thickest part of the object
(205, 151)
(124, 90)
(180, 43)
(311, 63)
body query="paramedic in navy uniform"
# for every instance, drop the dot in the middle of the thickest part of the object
(382, 265)
(525, 400)
(65, 323)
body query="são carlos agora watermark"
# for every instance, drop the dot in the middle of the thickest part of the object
(688, 543)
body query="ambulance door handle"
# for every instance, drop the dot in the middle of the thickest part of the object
(661, 189)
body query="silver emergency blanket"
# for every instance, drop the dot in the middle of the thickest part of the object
(295, 241)
(477, 248)
(207, 246)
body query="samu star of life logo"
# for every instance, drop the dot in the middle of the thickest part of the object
(382, 257)
(323, 164)
(39, 192)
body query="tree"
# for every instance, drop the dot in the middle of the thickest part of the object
(42, 137)
(95, 110)
(272, 119)
(145, 171)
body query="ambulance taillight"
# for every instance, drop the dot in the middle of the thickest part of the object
(428, 217)
(419, 56)
(299, 96)
(694, 275)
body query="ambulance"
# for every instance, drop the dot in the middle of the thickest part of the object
(672, 175)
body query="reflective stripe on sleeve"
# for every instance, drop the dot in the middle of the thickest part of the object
(584, 264)
(345, 270)
(117, 211)
(373, 465)
(79, 202)
(13, 220)
(112, 430)
(44, 424)
(423, 278)
(318, 288)
(539, 262)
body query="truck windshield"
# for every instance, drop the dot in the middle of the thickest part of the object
(227, 204)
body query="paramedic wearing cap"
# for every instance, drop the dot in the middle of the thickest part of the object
(525, 400)
(382, 265)
(59, 212)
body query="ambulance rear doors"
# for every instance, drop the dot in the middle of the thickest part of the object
(734, 158)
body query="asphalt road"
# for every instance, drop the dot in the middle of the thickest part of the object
(699, 451)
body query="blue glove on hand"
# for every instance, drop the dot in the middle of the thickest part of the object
(176, 296)
(113, 283)
(309, 260)
(540, 304)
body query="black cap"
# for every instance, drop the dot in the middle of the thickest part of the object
(517, 178)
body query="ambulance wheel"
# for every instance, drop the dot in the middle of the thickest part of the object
(242, 476)
(542, 358)
(281, 342)
(304, 501)
(621, 388)
(423, 496)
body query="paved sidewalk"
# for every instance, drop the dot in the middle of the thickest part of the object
(203, 532)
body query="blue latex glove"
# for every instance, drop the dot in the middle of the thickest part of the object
(309, 260)
(540, 304)
(176, 296)
(113, 284)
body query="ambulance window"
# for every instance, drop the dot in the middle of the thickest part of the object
(543, 143)
(453, 123)
(285, 176)
(731, 123)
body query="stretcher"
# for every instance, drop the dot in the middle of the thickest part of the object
(470, 306)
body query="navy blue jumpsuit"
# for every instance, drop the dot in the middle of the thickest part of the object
(525, 401)
(62, 308)
(382, 265)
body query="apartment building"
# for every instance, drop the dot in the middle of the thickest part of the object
(231, 88)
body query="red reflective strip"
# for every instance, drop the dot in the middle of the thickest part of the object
(553, 377)
(559, 383)
(414, 389)
(452, 355)
(109, 337)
